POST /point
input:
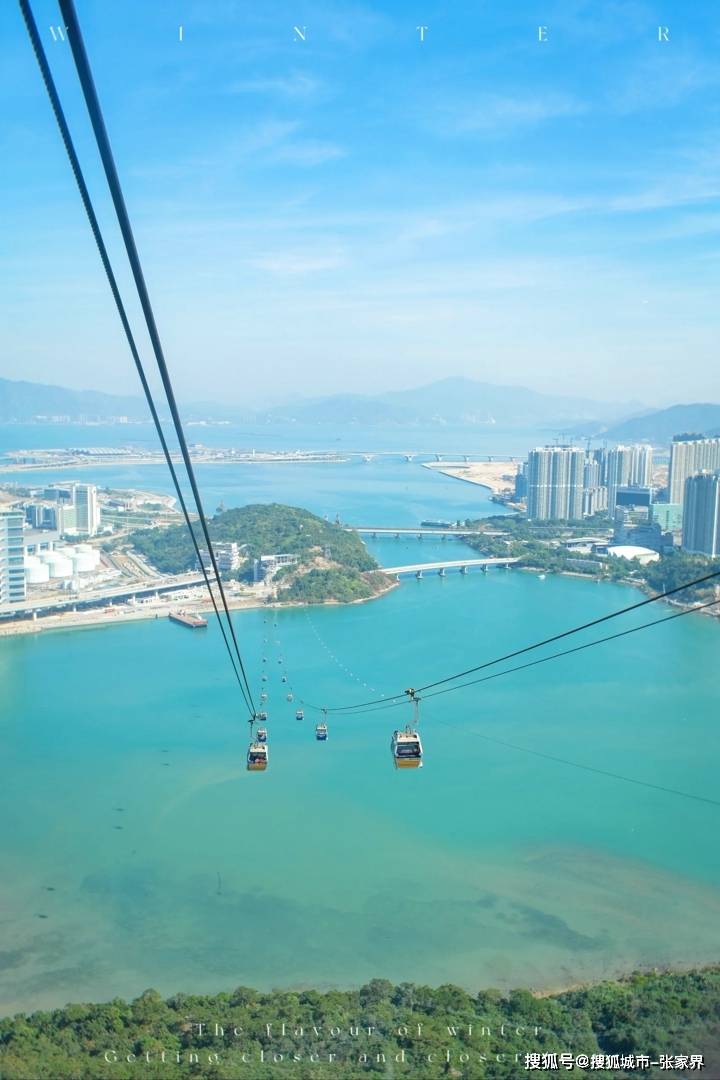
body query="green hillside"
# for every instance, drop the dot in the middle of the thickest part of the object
(332, 564)
(379, 1030)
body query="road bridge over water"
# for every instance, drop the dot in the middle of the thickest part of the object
(398, 531)
(463, 565)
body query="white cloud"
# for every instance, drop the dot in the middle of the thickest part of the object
(495, 113)
(294, 85)
(297, 262)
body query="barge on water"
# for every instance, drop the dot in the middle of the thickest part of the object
(194, 622)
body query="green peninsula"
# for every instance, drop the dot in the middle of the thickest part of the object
(328, 562)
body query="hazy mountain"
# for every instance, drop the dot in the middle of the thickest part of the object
(23, 401)
(449, 401)
(659, 426)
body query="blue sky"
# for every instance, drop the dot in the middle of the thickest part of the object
(362, 211)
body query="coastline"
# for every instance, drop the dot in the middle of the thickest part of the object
(496, 476)
(99, 618)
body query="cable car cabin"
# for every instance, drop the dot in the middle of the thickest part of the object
(262, 717)
(264, 678)
(289, 696)
(406, 749)
(257, 757)
(321, 732)
(300, 715)
(262, 734)
(284, 678)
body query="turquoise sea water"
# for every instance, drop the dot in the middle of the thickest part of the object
(488, 866)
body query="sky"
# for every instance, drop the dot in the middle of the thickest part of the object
(352, 208)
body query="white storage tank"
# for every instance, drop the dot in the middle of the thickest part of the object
(37, 573)
(83, 562)
(59, 565)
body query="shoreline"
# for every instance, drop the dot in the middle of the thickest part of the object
(100, 618)
(493, 475)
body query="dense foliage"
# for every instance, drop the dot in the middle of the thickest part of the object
(333, 564)
(265, 529)
(538, 545)
(342, 585)
(381, 1029)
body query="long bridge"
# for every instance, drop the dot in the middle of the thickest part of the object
(398, 531)
(463, 565)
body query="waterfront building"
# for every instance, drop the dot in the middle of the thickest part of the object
(668, 516)
(633, 551)
(628, 466)
(228, 557)
(87, 509)
(690, 455)
(600, 457)
(41, 515)
(521, 482)
(555, 483)
(591, 473)
(701, 515)
(12, 569)
(58, 493)
(594, 500)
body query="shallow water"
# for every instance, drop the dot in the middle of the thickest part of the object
(488, 866)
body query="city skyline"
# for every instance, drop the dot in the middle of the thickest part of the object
(362, 209)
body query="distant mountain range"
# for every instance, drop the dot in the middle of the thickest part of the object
(448, 401)
(457, 400)
(660, 425)
(25, 400)
(452, 401)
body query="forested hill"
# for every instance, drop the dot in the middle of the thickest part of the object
(380, 1030)
(332, 564)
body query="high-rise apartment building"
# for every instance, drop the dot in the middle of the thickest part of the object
(628, 466)
(555, 483)
(701, 514)
(12, 569)
(689, 456)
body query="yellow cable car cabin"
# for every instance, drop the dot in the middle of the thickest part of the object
(257, 757)
(406, 749)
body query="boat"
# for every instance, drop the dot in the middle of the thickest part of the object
(257, 757)
(185, 618)
(321, 732)
(436, 524)
(406, 749)
(262, 735)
